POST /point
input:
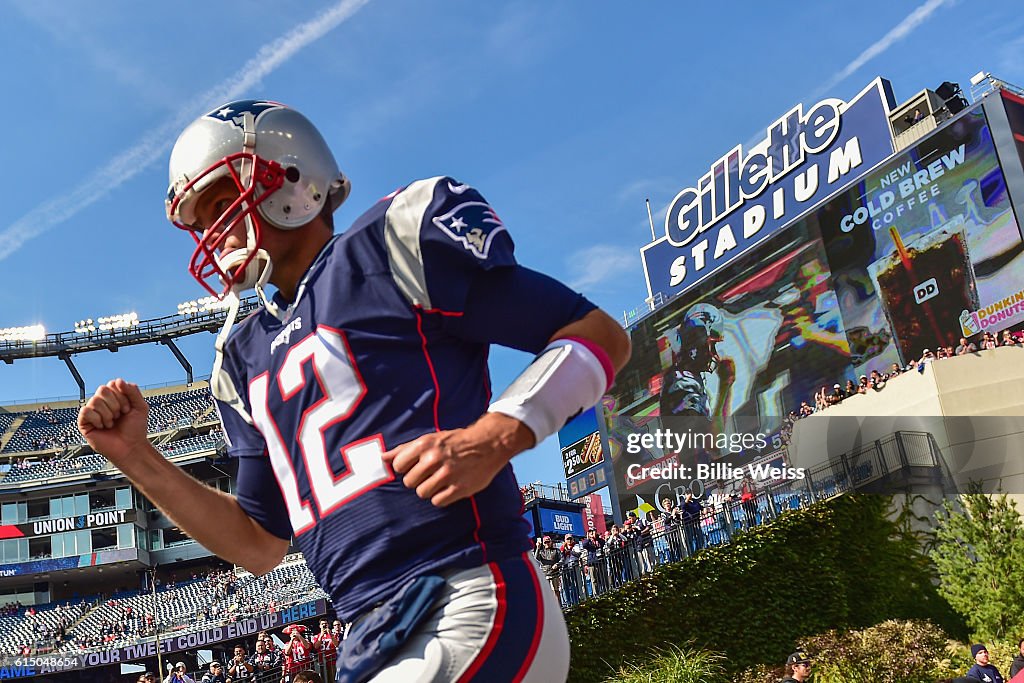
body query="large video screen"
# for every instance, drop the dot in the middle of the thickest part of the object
(1014, 105)
(728, 361)
(926, 249)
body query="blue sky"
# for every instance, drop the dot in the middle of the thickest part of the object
(565, 115)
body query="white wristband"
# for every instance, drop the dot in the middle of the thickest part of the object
(566, 378)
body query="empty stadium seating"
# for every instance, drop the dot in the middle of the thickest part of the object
(45, 429)
(45, 438)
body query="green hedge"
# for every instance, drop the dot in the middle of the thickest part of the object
(837, 565)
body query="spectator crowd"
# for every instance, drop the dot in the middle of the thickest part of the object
(876, 381)
(299, 658)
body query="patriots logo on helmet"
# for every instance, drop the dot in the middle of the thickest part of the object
(233, 112)
(472, 224)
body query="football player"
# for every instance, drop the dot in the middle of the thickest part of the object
(357, 399)
(695, 354)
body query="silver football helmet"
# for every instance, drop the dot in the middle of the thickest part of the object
(285, 174)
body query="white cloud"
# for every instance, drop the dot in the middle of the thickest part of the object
(154, 143)
(600, 263)
(897, 33)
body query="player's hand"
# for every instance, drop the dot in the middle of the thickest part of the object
(445, 467)
(114, 420)
(726, 371)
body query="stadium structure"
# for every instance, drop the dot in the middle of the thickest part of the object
(850, 240)
(100, 576)
(852, 237)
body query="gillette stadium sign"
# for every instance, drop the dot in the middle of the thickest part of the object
(748, 195)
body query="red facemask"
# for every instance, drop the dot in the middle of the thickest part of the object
(264, 180)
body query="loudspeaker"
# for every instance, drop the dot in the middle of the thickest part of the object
(947, 90)
(956, 104)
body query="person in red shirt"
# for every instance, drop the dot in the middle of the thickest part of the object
(325, 644)
(298, 654)
(748, 495)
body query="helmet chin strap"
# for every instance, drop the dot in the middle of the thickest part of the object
(257, 274)
(221, 385)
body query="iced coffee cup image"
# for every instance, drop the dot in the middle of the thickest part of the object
(924, 286)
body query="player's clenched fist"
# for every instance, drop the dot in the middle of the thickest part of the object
(114, 420)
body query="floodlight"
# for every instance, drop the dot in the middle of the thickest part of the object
(24, 333)
(120, 321)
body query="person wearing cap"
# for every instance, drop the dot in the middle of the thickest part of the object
(216, 674)
(298, 653)
(550, 559)
(982, 669)
(178, 675)
(571, 578)
(926, 357)
(798, 667)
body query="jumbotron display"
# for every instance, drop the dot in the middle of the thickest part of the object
(923, 247)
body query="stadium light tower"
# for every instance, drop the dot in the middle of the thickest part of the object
(26, 333)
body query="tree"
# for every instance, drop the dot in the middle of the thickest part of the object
(979, 554)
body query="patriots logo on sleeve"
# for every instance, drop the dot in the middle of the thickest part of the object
(233, 114)
(473, 225)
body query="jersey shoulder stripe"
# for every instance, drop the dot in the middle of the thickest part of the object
(402, 223)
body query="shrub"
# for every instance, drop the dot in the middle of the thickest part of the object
(838, 565)
(890, 652)
(676, 665)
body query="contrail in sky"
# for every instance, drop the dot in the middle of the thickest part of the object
(898, 32)
(155, 142)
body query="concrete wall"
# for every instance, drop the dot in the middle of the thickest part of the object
(972, 405)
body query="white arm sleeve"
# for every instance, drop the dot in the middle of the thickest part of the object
(566, 378)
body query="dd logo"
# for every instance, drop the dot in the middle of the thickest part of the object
(926, 290)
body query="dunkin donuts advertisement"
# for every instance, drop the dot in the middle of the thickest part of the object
(926, 249)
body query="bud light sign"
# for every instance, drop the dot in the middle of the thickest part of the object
(561, 522)
(748, 195)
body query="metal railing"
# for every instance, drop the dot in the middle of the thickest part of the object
(650, 304)
(547, 492)
(594, 573)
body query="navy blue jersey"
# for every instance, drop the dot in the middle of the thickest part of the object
(386, 340)
(683, 393)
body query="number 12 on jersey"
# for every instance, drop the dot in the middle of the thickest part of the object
(334, 370)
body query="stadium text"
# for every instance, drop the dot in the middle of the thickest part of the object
(757, 189)
(50, 526)
(917, 188)
(34, 666)
(729, 183)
